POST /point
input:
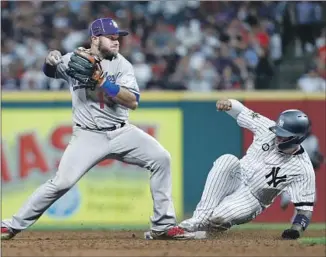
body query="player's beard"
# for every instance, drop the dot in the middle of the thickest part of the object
(105, 52)
(289, 150)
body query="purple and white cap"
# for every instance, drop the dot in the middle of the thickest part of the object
(106, 26)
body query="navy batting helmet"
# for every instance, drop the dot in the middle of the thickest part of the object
(293, 126)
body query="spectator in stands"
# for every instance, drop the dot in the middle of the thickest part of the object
(161, 38)
(143, 71)
(264, 71)
(311, 81)
(11, 75)
(32, 47)
(203, 79)
(188, 33)
(275, 45)
(308, 16)
(174, 45)
(8, 52)
(321, 53)
(259, 36)
(229, 80)
(33, 78)
(179, 78)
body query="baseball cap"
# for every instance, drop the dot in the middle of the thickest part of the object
(106, 26)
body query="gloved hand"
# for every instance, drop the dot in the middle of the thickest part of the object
(53, 58)
(290, 234)
(85, 68)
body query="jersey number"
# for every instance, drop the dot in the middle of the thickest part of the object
(275, 179)
(101, 99)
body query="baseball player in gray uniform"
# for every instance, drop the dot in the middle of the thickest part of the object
(100, 107)
(236, 191)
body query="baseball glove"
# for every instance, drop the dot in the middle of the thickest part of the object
(85, 68)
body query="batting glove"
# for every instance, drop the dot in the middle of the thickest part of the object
(290, 234)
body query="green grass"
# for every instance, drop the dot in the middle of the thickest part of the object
(277, 226)
(313, 240)
(249, 226)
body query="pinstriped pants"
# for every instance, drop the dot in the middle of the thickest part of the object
(226, 200)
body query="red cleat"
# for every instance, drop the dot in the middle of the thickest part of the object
(6, 233)
(174, 233)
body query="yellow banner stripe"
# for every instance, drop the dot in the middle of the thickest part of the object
(170, 96)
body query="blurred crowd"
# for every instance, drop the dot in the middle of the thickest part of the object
(174, 45)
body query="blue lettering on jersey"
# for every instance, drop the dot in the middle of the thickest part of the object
(78, 85)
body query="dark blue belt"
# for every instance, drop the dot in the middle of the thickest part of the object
(114, 127)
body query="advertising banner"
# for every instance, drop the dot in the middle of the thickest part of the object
(112, 194)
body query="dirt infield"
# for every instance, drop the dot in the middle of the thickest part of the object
(131, 243)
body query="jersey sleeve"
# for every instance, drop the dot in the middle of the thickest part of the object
(303, 191)
(62, 67)
(126, 78)
(255, 122)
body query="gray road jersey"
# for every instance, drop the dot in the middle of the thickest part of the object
(95, 109)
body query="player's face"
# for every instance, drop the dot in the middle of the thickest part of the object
(108, 46)
(281, 139)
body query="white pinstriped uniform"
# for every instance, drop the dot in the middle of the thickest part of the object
(236, 191)
(311, 146)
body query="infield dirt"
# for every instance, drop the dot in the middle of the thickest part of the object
(131, 243)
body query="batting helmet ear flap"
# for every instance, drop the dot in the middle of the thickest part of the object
(294, 125)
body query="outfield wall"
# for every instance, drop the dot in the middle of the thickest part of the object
(36, 129)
